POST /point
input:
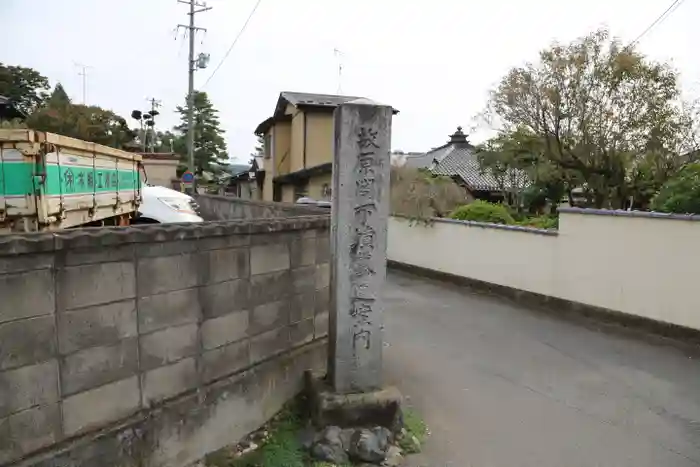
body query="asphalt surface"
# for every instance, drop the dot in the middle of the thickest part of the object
(504, 386)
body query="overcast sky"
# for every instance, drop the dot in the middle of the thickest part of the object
(433, 60)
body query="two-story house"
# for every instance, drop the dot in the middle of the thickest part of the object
(298, 148)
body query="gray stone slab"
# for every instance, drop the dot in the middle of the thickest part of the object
(224, 329)
(28, 386)
(303, 252)
(168, 346)
(82, 286)
(270, 287)
(224, 265)
(225, 360)
(75, 257)
(323, 247)
(168, 309)
(323, 276)
(96, 366)
(28, 262)
(8, 446)
(100, 406)
(166, 248)
(27, 341)
(26, 294)
(322, 301)
(223, 242)
(361, 173)
(167, 273)
(167, 381)
(321, 323)
(96, 326)
(269, 258)
(303, 279)
(268, 344)
(302, 332)
(269, 316)
(224, 297)
(301, 306)
(29, 430)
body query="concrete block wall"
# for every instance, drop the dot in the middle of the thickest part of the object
(107, 330)
(215, 207)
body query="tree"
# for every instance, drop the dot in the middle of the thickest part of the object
(88, 123)
(25, 87)
(598, 110)
(680, 194)
(259, 149)
(516, 159)
(59, 98)
(209, 144)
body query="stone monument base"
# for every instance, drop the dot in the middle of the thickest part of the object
(381, 407)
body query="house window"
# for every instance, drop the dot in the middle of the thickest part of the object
(326, 191)
(268, 146)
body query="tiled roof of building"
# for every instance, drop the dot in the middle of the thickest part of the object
(459, 159)
(325, 100)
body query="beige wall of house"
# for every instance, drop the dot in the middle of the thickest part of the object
(281, 143)
(288, 194)
(289, 154)
(316, 185)
(636, 265)
(160, 172)
(297, 147)
(319, 139)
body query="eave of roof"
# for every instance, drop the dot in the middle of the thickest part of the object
(304, 174)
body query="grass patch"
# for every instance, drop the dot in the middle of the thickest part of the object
(282, 449)
(415, 428)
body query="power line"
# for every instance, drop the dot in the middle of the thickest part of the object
(673, 7)
(240, 33)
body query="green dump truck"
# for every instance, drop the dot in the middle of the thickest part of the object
(51, 182)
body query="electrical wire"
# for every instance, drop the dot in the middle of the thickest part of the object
(238, 36)
(673, 7)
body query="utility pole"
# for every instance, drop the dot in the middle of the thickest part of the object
(83, 74)
(151, 124)
(155, 103)
(339, 56)
(192, 66)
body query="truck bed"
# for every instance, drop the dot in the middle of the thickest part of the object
(52, 182)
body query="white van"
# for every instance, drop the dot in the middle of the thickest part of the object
(160, 205)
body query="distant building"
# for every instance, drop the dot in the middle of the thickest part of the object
(8, 111)
(161, 168)
(248, 183)
(399, 158)
(298, 147)
(458, 160)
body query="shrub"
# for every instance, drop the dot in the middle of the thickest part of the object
(681, 194)
(420, 195)
(482, 211)
(541, 222)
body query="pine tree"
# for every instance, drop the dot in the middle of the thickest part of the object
(209, 143)
(59, 97)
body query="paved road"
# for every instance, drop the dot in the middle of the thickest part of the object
(501, 386)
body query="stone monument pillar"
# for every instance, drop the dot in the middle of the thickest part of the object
(361, 171)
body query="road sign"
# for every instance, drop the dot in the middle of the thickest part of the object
(187, 177)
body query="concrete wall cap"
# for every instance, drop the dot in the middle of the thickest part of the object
(14, 244)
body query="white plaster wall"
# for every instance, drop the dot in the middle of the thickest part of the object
(641, 266)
